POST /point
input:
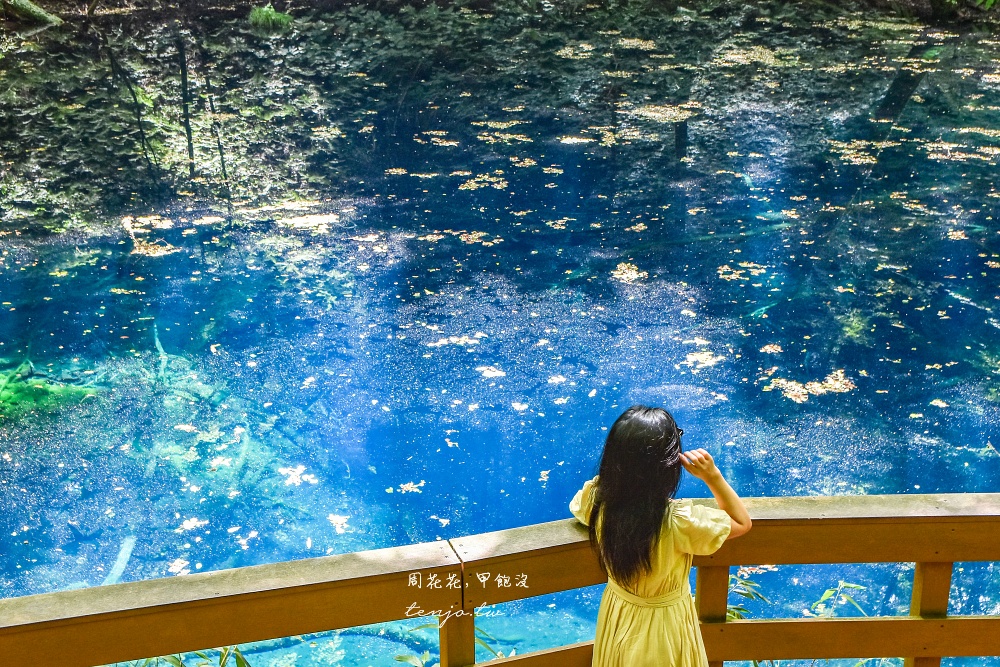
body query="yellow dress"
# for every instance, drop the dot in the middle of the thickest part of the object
(655, 624)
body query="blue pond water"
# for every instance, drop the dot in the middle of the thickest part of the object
(408, 288)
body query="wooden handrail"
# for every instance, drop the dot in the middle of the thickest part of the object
(135, 620)
(105, 624)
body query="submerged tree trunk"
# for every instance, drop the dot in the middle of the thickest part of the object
(29, 11)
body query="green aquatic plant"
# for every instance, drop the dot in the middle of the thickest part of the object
(23, 392)
(269, 20)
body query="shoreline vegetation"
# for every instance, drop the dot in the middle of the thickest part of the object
(189, 64)
(55, 12)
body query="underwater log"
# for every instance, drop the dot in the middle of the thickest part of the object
(29, 11)
(124, 554)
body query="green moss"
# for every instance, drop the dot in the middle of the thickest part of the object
(266, 19)
(854, 327)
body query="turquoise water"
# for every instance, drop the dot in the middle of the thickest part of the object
(402, 284)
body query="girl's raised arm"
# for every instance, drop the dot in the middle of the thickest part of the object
(700, 463)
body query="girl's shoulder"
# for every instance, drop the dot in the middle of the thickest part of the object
(697, 529)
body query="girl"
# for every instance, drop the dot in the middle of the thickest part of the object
(645, 539)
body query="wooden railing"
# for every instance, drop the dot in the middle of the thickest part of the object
(87, 627)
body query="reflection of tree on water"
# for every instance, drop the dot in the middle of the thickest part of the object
(284, 93)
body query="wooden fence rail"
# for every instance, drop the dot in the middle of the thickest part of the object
(452, 578)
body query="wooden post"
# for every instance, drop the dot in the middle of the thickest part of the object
(711, 591)
(458, 640)
(931, 588)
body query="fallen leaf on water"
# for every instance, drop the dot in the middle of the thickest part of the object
(628, 273)
(410, 487)
(339, 521)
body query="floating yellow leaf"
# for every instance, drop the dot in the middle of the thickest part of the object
(628, 273)
(484, 181)
(702, 359)
(637, 44)
(835, 382)
(664, 113)
(410, 487)
(498, 124)
(339, 521)
(581, 51)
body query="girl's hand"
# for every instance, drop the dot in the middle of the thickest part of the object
(700, 463)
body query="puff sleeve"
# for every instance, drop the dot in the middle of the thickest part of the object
(697, 529)
(583, 501)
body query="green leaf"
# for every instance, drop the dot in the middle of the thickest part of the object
(736, 613)
(423, 627)
(856, 606)
(240, 660)
(410, 659)
(485, 634)
(487, 647)
(174, 661)
(826, 596)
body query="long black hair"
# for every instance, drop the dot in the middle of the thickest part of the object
(639, 473)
